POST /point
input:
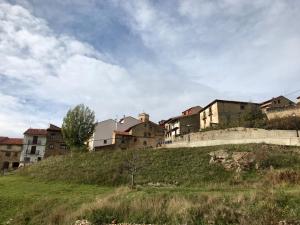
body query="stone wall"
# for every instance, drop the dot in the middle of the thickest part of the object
(236, 136)
(283, 112)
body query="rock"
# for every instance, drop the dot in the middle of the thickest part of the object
(237, 160)
(82, 222)
(218, 156)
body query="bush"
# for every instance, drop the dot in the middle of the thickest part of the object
(286, 123)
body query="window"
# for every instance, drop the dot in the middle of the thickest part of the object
(123, 140)
(278, 101)
(33, 150)
(51, 146)
(15, 154)
(7, 154)
(145, 143)
(242, 107)
(26, 159)
(149, 134)
(145, 134)
(8, 146)
(52, 136)
(145, 125)
(39, 158)
(35, 139)
(63, 146)
(135, 139)
(105, 142)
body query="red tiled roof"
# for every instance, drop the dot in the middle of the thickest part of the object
(38, 132)
(2, 138)
(12, 141)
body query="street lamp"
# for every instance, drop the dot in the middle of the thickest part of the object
(295, 119)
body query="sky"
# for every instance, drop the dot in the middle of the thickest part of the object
(126, 57)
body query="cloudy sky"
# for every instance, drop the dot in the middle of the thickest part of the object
(123, 57)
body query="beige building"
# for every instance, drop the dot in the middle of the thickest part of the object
(10, 152)
(223, 112)
(274, 103)
(143, 135)
(188, 122)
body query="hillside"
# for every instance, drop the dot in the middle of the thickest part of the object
(175, 186)
(182, 166)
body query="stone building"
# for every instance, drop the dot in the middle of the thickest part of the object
(104, 130)
(143, 135)
(274, 103)
(10, 152)
(34, 145)
(186, 123)
(55, 144)
(223, 112)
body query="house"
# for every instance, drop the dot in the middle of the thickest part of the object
(278, 102)
(222, 112)
(287, 110)
(187, 122)
(10, 152)
(104, 130)
(145, 134)
(55, 144)
(34, 145)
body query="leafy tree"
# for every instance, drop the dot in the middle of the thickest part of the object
(253, 118)
(78, 126)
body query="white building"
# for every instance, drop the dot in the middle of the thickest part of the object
(34, 145)
(103, 134)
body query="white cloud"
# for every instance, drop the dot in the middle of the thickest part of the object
(55, 68)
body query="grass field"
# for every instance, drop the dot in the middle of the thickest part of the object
(174, 186)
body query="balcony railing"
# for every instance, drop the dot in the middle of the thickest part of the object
(31, 142)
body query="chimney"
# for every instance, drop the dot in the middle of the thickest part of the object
(143, 117)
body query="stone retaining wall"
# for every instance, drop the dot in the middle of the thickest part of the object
(237, 136)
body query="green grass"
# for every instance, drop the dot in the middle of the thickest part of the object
(175, 186)
(184, 167)
(20, 193)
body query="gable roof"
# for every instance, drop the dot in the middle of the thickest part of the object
(129, 128)
(53, 128)
(12, 141)
(194, 109)
(37, 132)
(272, 99)
(227, 101)
(2, 138)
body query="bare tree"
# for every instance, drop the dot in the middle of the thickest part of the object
(132, 164)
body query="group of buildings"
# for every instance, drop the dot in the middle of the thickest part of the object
(138, 133)
(36, 145)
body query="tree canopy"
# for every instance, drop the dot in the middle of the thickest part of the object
(78, 126)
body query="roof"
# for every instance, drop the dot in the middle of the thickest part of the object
(11, 141)
(272, 99)
(53, 128)
(298, 97)
(226, 101)
(194, 109)
(2, 138)
(37, 132)
(179, 117)
(129, 128)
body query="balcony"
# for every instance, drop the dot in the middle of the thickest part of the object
(31, 142)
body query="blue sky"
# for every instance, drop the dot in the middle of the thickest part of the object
(124, 57)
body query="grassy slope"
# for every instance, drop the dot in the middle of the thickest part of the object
(23, 195)
(55, 190)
